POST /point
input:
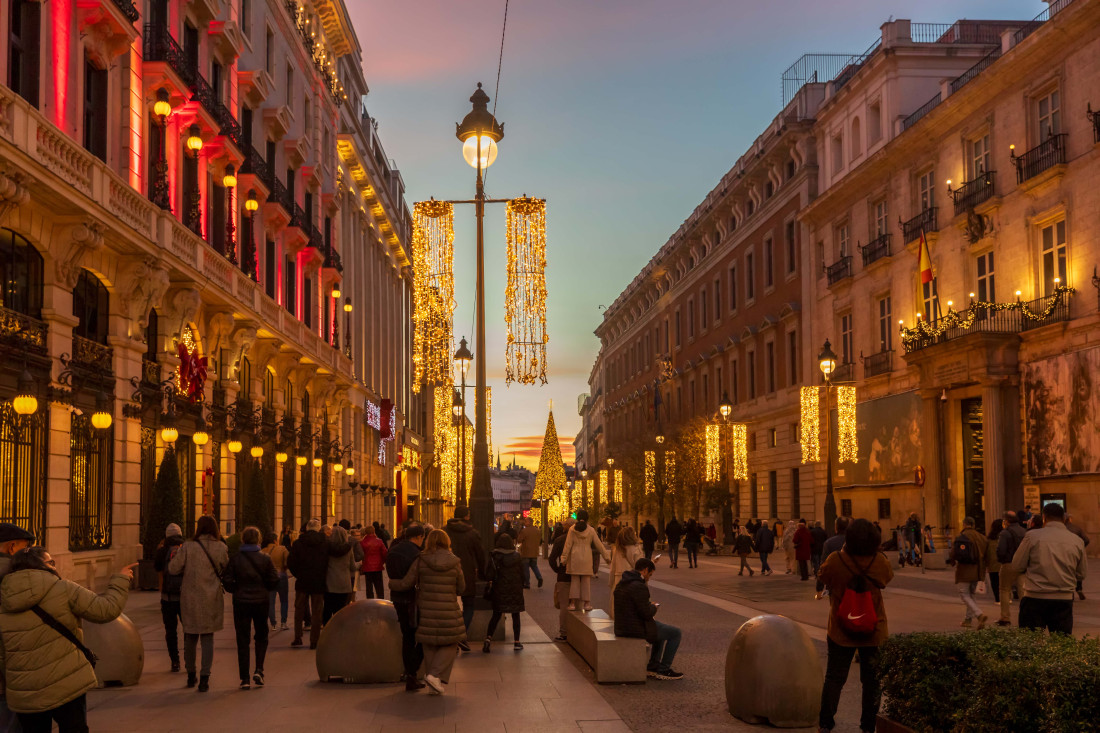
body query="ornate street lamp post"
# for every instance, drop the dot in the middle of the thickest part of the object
(229, 180)
(827, 363)
(194, 144)
(335, 315)
(248, 243)
(463, 357)
(161, 109)
(725, 409)
(347, 327)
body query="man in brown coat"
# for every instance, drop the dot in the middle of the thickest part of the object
(968, 555)
(529, 540)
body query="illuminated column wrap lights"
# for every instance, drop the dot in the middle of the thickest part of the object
(739, 433)
(809, 432)
(650, 472)
(575, 496)
(525, 294)
(847, 447)
(618, 486)
(433, 292)
(713, 454)
(670, 469)
(602, 486)
(442, 435)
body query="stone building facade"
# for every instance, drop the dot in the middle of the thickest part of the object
(200, 175)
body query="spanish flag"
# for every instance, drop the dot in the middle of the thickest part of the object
(926, 275)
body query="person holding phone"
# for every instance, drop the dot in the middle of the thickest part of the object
(634, 618)
(47, 669)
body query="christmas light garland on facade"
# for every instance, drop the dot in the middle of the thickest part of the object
(525, 295)
(847, 447)
(739, 447)
(433, 292)
(650, 472)
(930, 331)
(713, 454)
(810, 437)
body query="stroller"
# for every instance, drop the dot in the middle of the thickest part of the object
(712, 546)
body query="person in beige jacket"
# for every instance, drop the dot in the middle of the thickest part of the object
(47, 675)
(582, 547)
(624, 553)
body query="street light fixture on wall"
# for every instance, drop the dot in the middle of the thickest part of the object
(25, 402)
(194, 144)
(347, 327)
(161, 109)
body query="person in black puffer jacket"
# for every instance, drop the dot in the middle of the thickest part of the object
(466, 545)
(170, 587)
(634, 614)
(505, 570)
(250, 576)
(308, 563)
(693, 537)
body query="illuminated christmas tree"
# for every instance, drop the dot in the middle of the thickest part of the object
(551, 476)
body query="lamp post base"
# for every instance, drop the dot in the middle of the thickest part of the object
(482, 509)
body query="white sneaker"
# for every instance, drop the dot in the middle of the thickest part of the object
(435, 685)
(284, 627)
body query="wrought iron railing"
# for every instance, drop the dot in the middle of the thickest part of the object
(880, 363)
(1095, 117)
(150, 372)
(24, 442)
(22, 333)
(158, 45)
(91, 464)
(921, 111)
(92, 355)
(973, 192)
(967, 76)
(298, 218)
(961, 32)
(1049, 153)
(128, 10)
(1049, 12)
(255, 164)
(876, 249)
(844, 373)
(203, 93)
(839, 270)
(315, 50)
(280, 195)
(925, 222)
(854, 65)
(1005, 318)
(332, 260)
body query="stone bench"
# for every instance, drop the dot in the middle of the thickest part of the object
(613, 659)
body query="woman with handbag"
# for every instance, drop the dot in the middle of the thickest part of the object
(436, 574)
(202, 560)
(47, 669)
(250, 577)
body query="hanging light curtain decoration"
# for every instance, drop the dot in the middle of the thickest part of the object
(433, 291)
(525, 296)
(576, 495)
(670, 470)
(846, 445)
(739, 447)
(618, 486)
(650, 472)
(713, 454)
(489, 419)
(444, 443)
(810, 426)
(602, 486)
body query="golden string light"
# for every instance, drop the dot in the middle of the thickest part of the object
(713, 454)
(433, 291)
(670, 470)
(618, 486)
(739, 447)
(187, 338)
(602, 486)
(525, 295)
(577, 494)
(810, 426)
(650, 472)
(551, 474)
(847, 447)
(489, 419)
(442, 434)
(924, 332)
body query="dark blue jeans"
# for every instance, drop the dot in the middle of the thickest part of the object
(674, 553)
(283, 594)
(668, 637)
(692, 552)
(72, 716)
(468, 610)
(764, 566)
(529, 564)
(836, 674)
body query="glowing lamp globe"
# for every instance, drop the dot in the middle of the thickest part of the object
(281, 456)
(488, 154)
(317, 462)
(350, 470)
(229, 180)
(827, 359)
(163, 106)
(235, 446)
(169, 434)
(347, 305)
(101, 420)
(301, 460)
(725, 407)
(194, 139)
(251, 204)
(25, 403)
(200, 438)
(338, 467)
(257, 451)
(335, 292)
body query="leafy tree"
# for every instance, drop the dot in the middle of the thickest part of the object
(166, 503)
(254, 511)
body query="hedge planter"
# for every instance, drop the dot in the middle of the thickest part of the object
(991, 681)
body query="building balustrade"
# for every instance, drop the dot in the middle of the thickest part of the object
(876, 249)
(21, 332)
(255, 164)
(880, 363)
(844, 373)
(973, 192)
(921, 111)
(128, 10)
(1002, 318)
(839, 270)
(924, 222)
(1045, 155)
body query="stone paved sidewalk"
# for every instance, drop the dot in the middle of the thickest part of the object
(536, 690)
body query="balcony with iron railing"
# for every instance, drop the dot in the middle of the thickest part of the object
(1094, 118)
(973, 192)
(159, 45)
(839, 270)
(921, 111)
(1053, 8)
(298, 218)
(880, 363)
(92, 356)
(254, 164)
(925, 222)
(997, 318)
(876, 249)
(22, 333)
(128, 10)
(845, 372)
(1045, 155)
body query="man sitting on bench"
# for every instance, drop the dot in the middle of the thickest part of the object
(634, 614)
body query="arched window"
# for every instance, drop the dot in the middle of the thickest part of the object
(288, 396)
(244, 378)
(21, 273)
(269, 387)
(91, 305)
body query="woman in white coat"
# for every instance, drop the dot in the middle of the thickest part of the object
(624, 553)
(582, 545)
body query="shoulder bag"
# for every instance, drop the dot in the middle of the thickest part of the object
(64, 630)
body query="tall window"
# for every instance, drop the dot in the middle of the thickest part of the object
(769, 263)
(677, 329)
(91, 307)
(717, 299)
(244, 378)
(926, 185)
(846, 338)
(290, 289)
(667, 350)
(289, 85)
(885, 329)
(987, 291)
(95, 109)
(703, 307)
(733, 287)
(246, 18)
(792, 357)
(269, 54)
(979, 156)
(269, 268)
(792, 253)
(930, 301)
(735, 393)
(20, 274)
(191, 47)
(773, 493)
(90, 466)
(23, 31)
(1053, 239)
(769, 364)
(750, 277)
(842, 240)
(881, 224)
(1049, 116)
(751, 365)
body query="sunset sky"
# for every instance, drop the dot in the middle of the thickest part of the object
(623, 114)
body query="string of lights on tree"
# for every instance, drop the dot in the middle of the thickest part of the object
(550, 478)
(810, 427)
(525, 294)
(847, 446)
(650, 472)
(670, 469)
(924, 330)
(619, 486)
(577, 497)
(713, 454)
(433, 292)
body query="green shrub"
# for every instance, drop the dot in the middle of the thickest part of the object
(165, 503)
(991, 681)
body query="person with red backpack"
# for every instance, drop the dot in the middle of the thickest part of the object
(855, 577)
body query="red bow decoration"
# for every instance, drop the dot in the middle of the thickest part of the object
(192, 372)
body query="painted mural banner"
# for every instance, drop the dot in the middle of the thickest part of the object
(889, 442)
(1062, 414)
